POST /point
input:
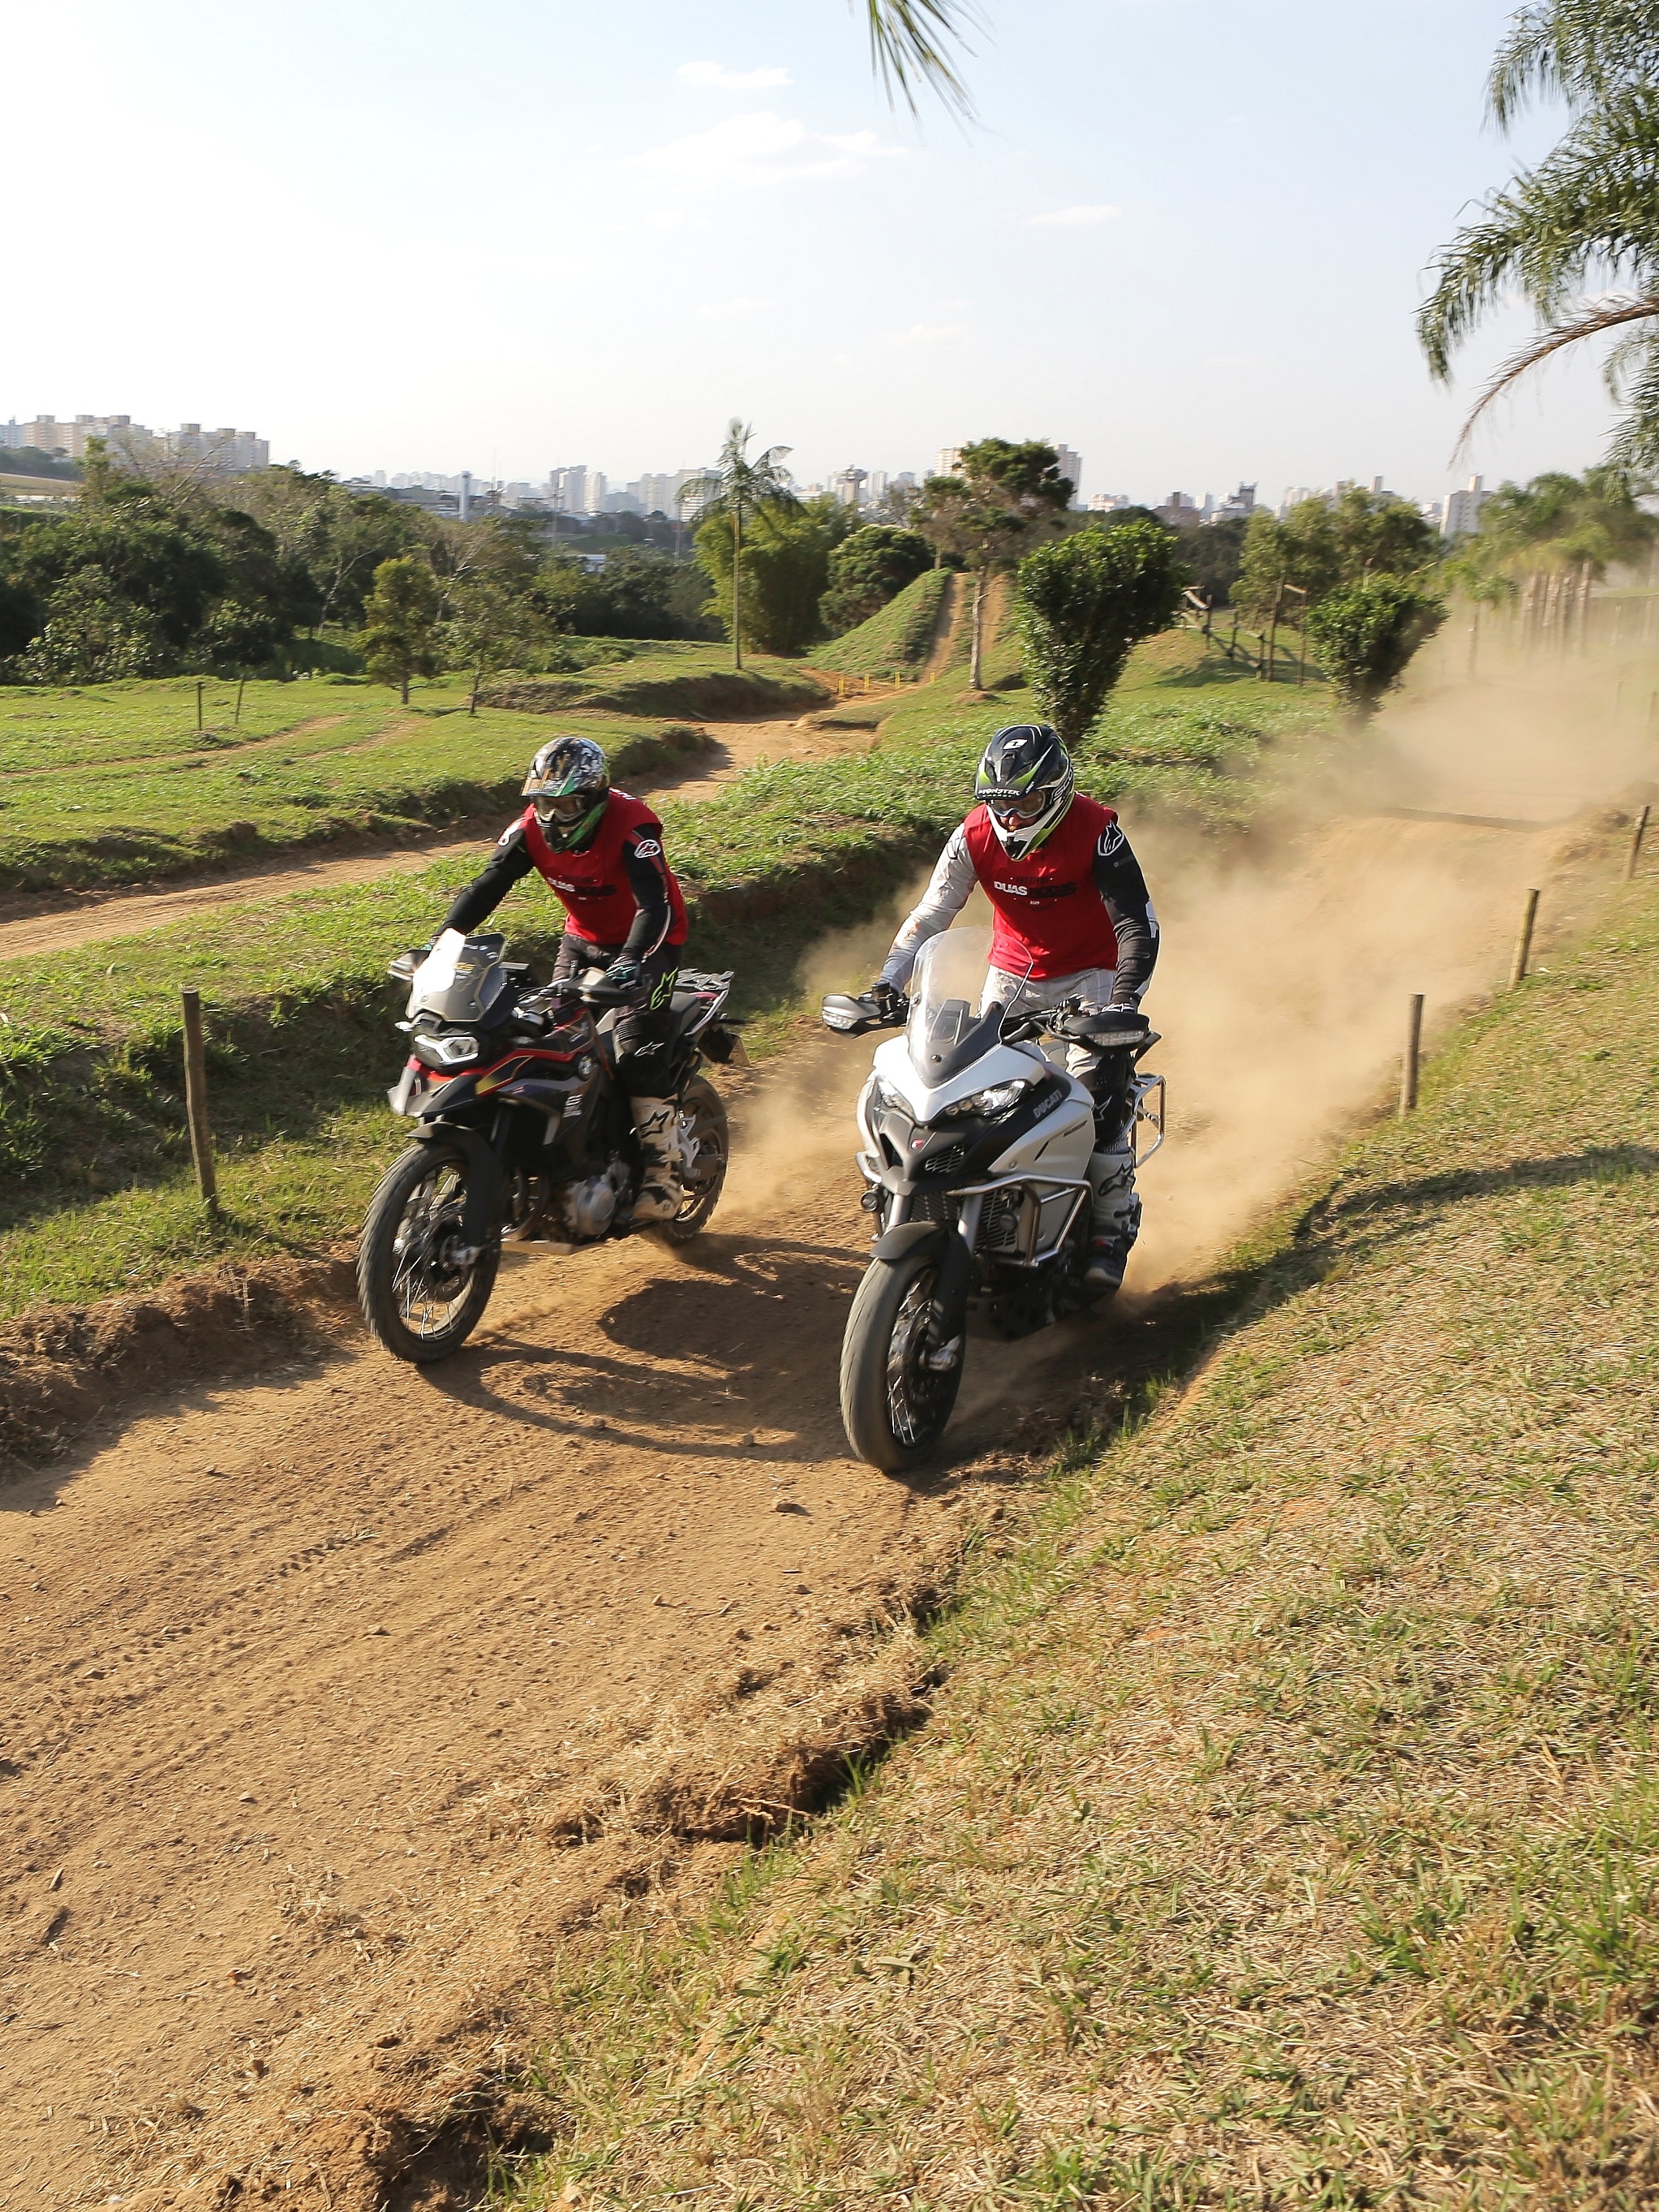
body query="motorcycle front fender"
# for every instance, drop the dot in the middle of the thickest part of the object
(907, 1237)
(956, 1264)
(481, 1210)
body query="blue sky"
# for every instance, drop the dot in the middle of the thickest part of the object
(1186, 237)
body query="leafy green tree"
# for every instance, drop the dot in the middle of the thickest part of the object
(1319, 546)
(1003, 499)
(1365, 633)
(93, 634)
(400, 620)
(489, 626)
(731, 495)
(1083, 605)
(1560, 521)
(1586, 215)
(785, 569)
(335, 539)
(1214, 554)
(870, 567)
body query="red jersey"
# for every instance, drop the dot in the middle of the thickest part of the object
(598, 900)
(1050, 917)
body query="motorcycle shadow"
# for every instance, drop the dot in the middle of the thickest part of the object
(739, 1341)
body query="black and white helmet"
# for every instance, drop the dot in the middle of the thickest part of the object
(569, 782)
(1026, 784)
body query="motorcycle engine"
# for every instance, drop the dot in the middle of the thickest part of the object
(589, 1206)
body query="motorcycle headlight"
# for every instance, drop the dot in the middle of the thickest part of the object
(885, 1094)
(997, 1100)
(447, 1051)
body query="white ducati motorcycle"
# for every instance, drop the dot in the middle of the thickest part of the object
(976, 1158)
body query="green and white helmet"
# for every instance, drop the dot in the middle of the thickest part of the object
(1026, 784)
(568, 784)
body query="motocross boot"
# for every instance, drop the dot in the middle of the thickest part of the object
(660, 1193)
(1113, 1214)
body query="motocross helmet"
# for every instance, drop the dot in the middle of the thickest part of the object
(568, 784)
(1024, 784)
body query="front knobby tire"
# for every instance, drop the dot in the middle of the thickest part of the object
(703, 1185)
(419, 1303)
(894, 1406)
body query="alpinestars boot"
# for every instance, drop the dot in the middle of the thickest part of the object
(661, 1195)
(1114, 1216)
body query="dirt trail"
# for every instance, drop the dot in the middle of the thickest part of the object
(56, 921)
(269, 1651)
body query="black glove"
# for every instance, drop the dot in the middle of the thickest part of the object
(887, 998)
(623, 973)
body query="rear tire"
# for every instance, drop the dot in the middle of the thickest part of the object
(418, 1304)
(894, 1407)
(707, 1179)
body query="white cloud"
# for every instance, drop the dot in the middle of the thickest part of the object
(763, 149)
(715, 77)
(1071, 217)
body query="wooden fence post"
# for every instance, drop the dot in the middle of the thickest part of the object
(201, 1135)
(199, 689)
(1523, 943)
(1636, 837)
(1413, 1048)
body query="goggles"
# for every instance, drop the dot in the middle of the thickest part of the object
(1019, 813)
(565, 808)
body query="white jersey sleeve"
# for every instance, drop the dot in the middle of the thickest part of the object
(948, 889)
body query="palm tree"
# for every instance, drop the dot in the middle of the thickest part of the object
(735, 490)
(1587, 216)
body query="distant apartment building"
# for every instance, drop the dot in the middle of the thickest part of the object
(949, 460)
(1459, 514)
(847, 486)
(1237, 505)
(225, 451)
(1071, 467)
(1179, 512)
(1108, 502)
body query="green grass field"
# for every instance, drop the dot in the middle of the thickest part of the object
(114, 784)
(896, 642)
(94, 1192)
(1286, 1831)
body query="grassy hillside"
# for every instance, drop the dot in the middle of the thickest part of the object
(1287, 1832)
(94, 1190)
(894, 642)
(113, 783)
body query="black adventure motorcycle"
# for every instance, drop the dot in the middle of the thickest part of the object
(523, 1132)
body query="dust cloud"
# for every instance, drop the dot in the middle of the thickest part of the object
(1399, 865)
(1282, 987)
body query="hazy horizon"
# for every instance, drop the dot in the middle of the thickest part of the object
(1186, 242)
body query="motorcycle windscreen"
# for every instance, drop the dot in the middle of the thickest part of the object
(946, 1032)
(460, 979)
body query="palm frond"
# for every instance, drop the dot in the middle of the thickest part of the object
(1591, 322)
(1578, 51)
(909, 47)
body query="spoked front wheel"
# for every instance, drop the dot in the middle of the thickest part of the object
(420, 1300)
(900, 1369)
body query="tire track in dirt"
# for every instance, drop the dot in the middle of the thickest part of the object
(54, 923)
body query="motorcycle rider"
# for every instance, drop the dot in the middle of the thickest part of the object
(601, 850)
(1073, 921)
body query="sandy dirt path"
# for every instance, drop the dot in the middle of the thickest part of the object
(267, 1649)
(56, 921)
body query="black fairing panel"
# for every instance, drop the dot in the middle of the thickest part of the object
(955, 1039)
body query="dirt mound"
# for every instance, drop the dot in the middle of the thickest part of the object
(728, 694)
(60, 1365)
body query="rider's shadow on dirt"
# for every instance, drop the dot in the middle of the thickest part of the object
(745, 1335)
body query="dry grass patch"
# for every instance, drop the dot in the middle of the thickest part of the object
(1287, 1832)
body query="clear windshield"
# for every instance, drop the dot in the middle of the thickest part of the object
(946, 1031)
